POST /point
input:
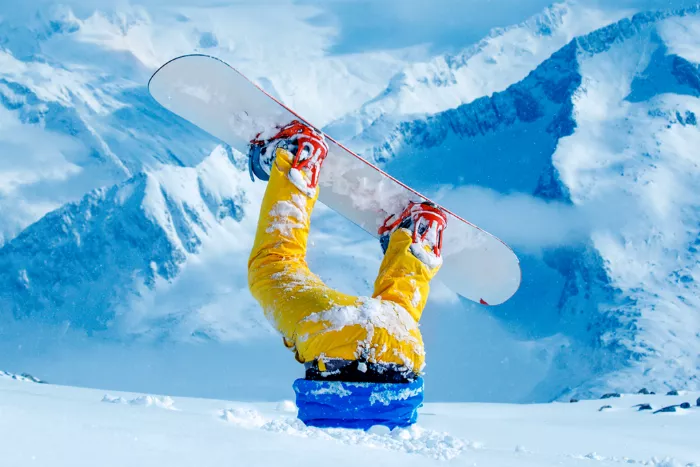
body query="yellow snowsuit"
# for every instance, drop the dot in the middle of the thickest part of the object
(318, 322)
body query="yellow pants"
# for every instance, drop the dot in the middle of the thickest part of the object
(317, 321)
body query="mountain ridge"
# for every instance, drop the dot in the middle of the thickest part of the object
(558, 103)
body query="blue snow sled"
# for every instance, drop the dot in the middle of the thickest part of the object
(338, 404)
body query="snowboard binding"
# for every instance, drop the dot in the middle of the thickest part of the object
(426, 221)
(306, 144)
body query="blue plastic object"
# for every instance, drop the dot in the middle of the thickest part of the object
(338, 404)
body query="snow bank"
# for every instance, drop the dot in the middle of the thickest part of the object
(489, 435)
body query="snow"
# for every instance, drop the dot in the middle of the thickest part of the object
(417, 297)
(162, 402)
(23, 377)
(300, 181)
(288, 215)
(386, 399)
(209, 432)
(423, 251)
(286, 406)
(336, 388)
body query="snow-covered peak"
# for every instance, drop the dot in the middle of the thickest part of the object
(606, 131)
(635, 148)
(501, 59)
(75, 111)
(24, 377)
(117, 244)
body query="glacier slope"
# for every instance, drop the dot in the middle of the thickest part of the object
(637, 138)
(103, 248)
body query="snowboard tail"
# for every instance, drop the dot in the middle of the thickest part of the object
(223, 102)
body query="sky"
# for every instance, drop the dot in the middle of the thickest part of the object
(446, 25)
(367, 25)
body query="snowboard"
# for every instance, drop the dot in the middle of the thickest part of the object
(221, 101)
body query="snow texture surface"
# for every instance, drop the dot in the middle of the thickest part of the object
(128, 429)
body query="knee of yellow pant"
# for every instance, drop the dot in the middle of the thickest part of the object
(253, 276)
(261, 287)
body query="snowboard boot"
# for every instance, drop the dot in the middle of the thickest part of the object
(426, 222)
(306, 146)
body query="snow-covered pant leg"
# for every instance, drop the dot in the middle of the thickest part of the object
(404, 279)
(278, 276)
(317, 321)
(404, 282)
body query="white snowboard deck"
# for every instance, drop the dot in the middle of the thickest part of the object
(221, 101)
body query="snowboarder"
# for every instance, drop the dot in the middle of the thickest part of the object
(344, 341)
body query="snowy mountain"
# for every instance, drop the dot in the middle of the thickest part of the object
(603, 131)
(505, 57)
(117, 243)
(75, 111)
(570, 136)
(69, 127)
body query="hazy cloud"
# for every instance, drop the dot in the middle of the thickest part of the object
(531, 223)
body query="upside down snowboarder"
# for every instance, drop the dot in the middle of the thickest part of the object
(363, 355)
